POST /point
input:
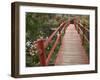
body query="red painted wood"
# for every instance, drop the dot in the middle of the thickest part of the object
(52, 35)
(41, 45)
(41, 50)
(60, 28)
(52, 49)
(75, 22)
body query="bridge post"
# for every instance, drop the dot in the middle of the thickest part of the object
(65, 29)
(78, 23)
(75, 22)
(41, 49)
(78, 28)
(60, 34)
(83, 37)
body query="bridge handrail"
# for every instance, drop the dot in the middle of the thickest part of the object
(43, 43)
(84, 30)
(53, 34)
(83, 27)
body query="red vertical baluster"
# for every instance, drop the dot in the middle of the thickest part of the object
(42, 55)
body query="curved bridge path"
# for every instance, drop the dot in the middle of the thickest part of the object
(72, 51)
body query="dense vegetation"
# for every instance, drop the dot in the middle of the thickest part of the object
(39, 26)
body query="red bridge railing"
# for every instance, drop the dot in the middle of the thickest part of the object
(42, 44)
(82, 30)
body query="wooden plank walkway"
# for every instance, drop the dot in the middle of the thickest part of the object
(72, 51)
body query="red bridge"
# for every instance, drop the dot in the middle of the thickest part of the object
(71, 50)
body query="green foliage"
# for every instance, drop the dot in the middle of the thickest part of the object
(85, 21)
(86, 46)
(38, 25)
(32, 60)
(55, 53)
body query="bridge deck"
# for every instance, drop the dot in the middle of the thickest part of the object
(72, 51)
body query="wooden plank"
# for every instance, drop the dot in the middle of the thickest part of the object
(72, 50)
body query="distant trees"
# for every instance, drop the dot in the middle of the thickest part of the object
(85, 21)
(39, 24)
